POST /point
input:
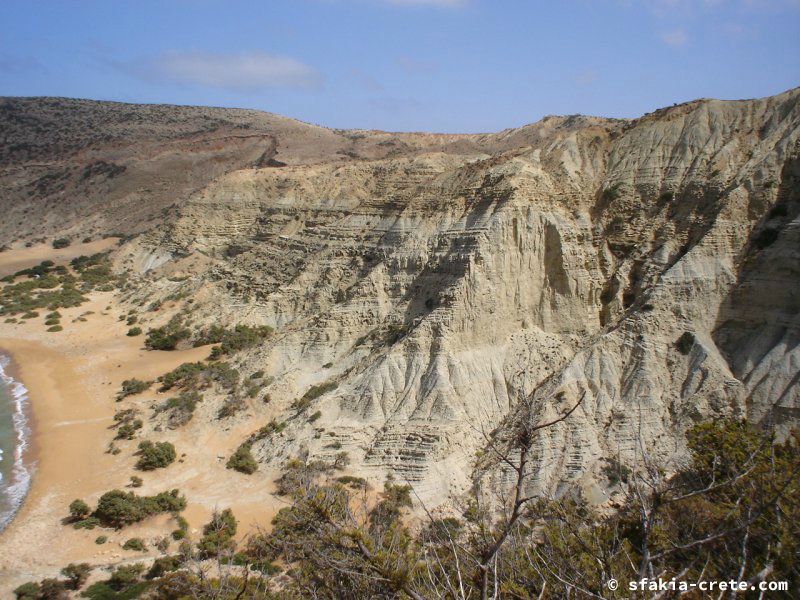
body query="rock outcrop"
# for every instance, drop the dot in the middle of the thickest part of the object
(448, 286)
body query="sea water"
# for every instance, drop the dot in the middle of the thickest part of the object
(14, 440)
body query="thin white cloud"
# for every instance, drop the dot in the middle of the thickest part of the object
(676, 38)
(244, 71)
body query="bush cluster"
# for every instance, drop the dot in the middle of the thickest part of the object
(165, 338)
(243, 460)
(118, 508)
(233, 340)
(180, 408)
(218, 535)
(131, 387)
(136, 544)
(314, 392)
(155, 455)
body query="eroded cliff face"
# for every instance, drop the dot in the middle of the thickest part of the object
(452, 285)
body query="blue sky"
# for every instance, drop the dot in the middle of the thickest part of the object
(434, 65)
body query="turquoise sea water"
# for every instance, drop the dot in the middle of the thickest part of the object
(14, 440)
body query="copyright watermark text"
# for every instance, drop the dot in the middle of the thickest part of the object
(673, 585)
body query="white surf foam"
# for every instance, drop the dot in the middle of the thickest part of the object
(19, 482)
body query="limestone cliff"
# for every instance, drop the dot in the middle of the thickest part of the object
(449, 285)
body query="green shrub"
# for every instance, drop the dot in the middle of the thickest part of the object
(315, 416)
(394, 333)
(314, 392)
(181, 407)
(133, 386)
(230, 407)
(685, 343)
(163, 565)
(666, 197)
(243, 460)
(162, 545)
(48, 288)
(155, 456)
(136, 544)
(28, 591)
(356, 482)
(341, 460)
(117, 508)
(252, 388)
(60, 243)
(134, 331)
(223, 374)
(78, 509)
(218, 535)
(127, 430)
(136, 481)
(125, 575)
(267, 430)
(52, 588)
(87, 523)
(100, 540)
(55, 328)
(183, 524)
(166, 338)
(77, 574)
(611, 192)
(184, 375)
(124, 584)
(233, 340)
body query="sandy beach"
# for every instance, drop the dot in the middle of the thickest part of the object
(72, 378)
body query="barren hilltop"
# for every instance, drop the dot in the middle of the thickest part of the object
(403, 298)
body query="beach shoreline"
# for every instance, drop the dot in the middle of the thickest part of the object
(24, 457)
(72, 378)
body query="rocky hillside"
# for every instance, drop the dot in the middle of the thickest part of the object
(426, 290)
